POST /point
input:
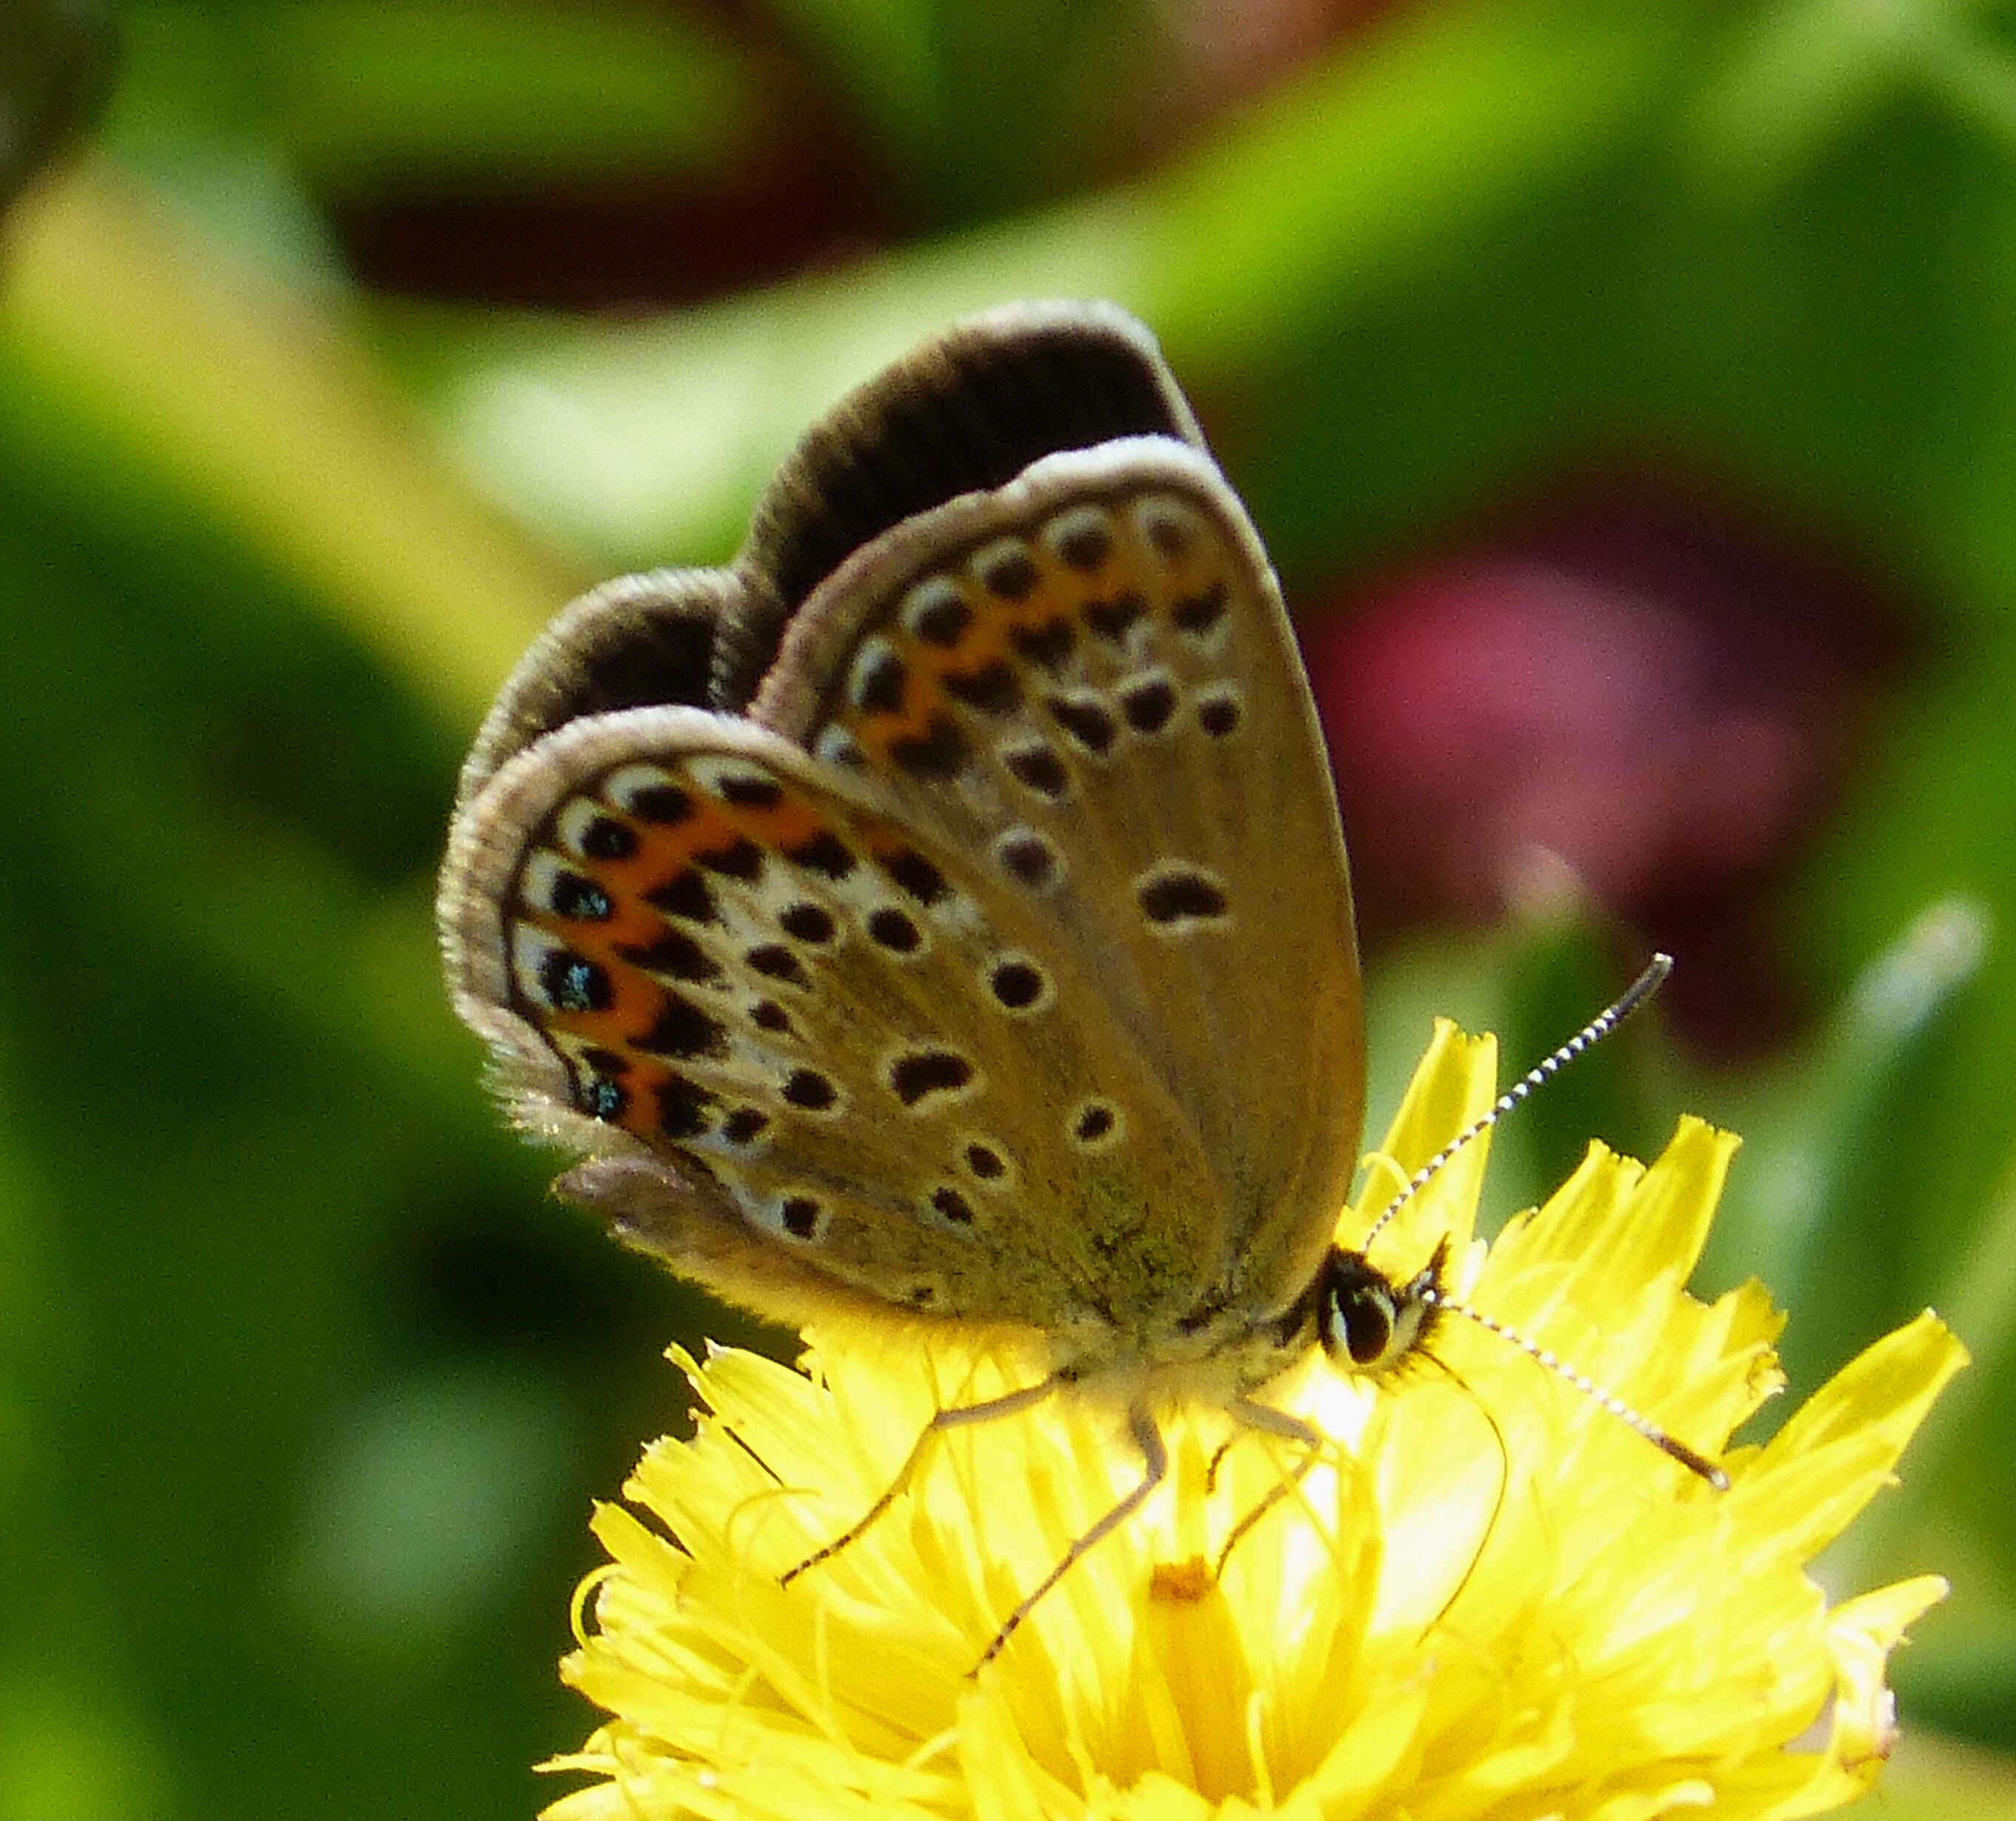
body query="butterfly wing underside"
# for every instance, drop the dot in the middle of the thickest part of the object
(1097, 690)
(973, 936)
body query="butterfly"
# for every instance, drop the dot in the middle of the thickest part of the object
(942, 911)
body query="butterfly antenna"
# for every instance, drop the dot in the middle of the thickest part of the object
(1698, 1464)
(1587, 1038)
(1590, 1034)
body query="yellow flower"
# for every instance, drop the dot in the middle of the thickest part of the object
(1490, 1598)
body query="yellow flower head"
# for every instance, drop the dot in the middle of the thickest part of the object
(1488, 1598)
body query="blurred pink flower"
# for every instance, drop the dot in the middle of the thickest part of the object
(1634, 693)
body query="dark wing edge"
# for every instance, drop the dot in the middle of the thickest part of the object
(965, 413)
(637, 641)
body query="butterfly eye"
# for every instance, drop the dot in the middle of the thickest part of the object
(1362, 1327)
(1367, 1323)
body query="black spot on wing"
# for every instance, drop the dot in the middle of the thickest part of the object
(895, 930)
(1219, 711)
(937, 753)
(1015, 984)
(686, 896)
(985, 1162)
(941, 621)
(800, 1214)
(1028, 857)
(579, 900)
(877, 685)
(683, 1029)
(775, 962)
(992, 689)
(750, 790)
(571, 984)
(951, 1205)
(1086, 720)
(825, 854)
(1010, 573)
(1085, 543)
(918, 1074)
(1197, 614)
(1149, 703)
(605, 838)
(1047, 644)
(810, 1091)
(665, 804)
(811, 924)
(1169, 535)
(1038, 769)
(672, 956)
(1094, 1122)
(1176, 895)
(1114, 619)
(600, 1093)
(683, 1106)
(741, 858)
(919, 877)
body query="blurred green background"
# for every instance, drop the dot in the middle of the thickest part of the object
(1627, 390)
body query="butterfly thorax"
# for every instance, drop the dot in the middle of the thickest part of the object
(1367, 1322)
(1226, 1334)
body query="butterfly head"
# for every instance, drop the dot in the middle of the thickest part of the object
(1368, 1324)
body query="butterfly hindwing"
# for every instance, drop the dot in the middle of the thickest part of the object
(828, 1027)
(638, 640)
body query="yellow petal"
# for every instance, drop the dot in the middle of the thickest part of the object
(1833, 1454)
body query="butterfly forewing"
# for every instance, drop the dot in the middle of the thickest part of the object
(1099, 695)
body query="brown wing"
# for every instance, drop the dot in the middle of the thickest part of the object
(1086, 677)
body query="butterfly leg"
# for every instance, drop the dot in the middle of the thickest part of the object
(1270, 1421)
(960, 1417)
(1155, 1467)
